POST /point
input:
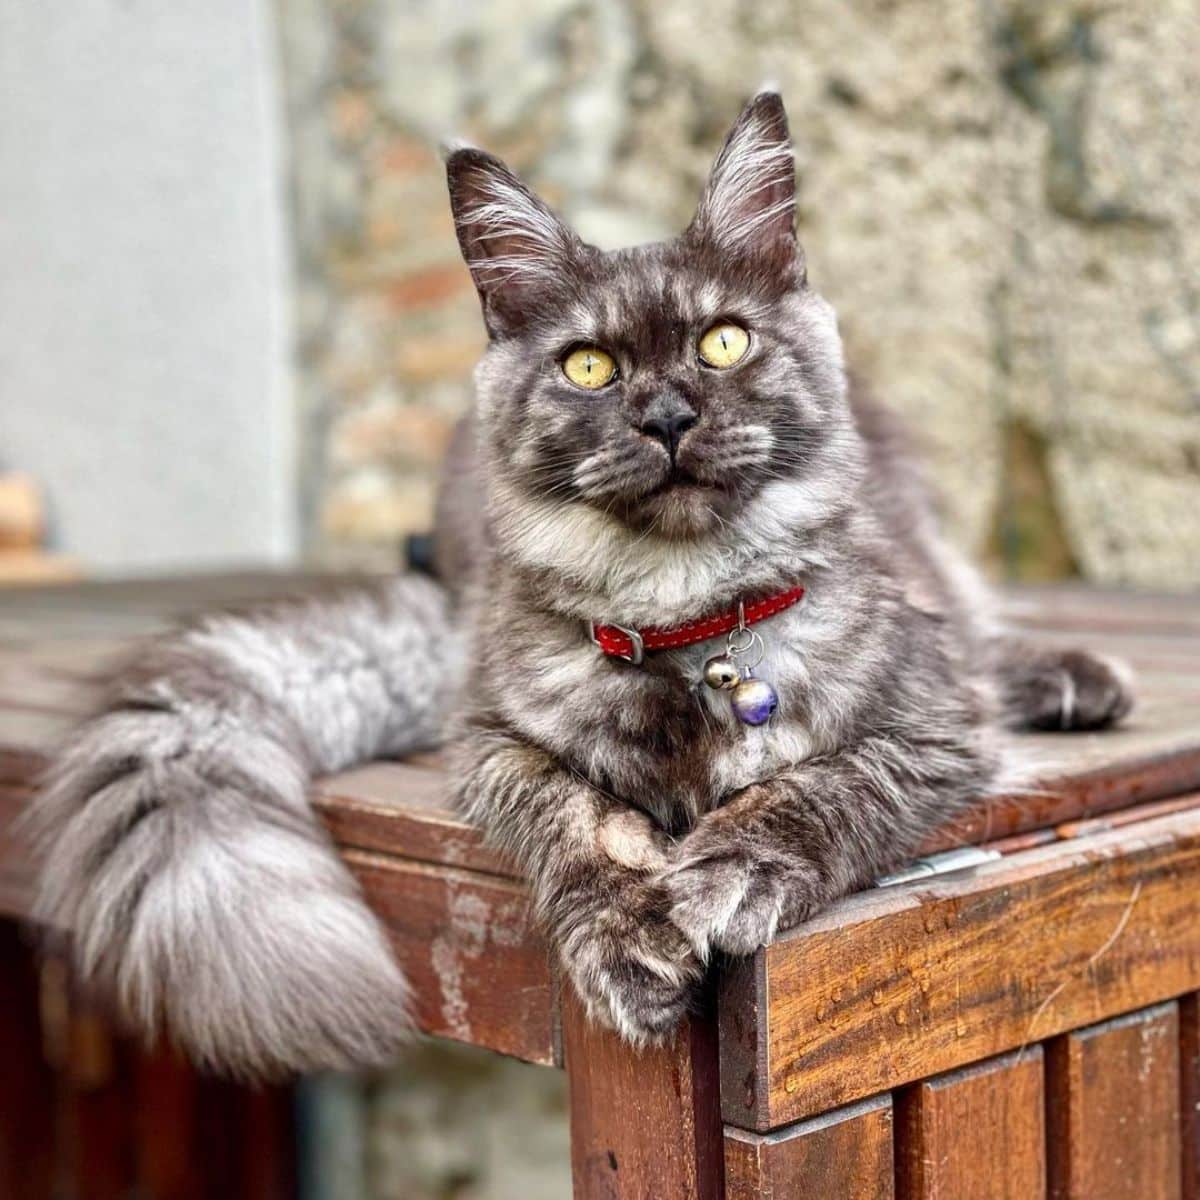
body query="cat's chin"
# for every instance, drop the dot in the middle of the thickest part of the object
(680, 511)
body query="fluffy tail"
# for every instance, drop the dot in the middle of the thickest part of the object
(181, 855)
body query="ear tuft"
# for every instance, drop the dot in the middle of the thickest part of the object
(749, 202)
(450, 146)
(509, 237)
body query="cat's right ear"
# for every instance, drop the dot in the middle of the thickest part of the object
(513, 244)
(748, 206)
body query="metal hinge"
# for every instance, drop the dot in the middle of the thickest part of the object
(940, 864)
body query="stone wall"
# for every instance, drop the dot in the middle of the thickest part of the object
(999, 195)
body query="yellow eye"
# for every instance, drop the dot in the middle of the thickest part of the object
(589, 367)
(724, 344)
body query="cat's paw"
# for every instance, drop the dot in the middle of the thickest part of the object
(633, 969)
(1076, 689)
(730, 893)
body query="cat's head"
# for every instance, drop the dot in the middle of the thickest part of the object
(665, 386)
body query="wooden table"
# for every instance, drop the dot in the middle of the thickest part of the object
(1022, 1028)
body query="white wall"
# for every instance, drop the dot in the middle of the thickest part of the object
(144, 334)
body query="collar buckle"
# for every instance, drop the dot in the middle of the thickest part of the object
(638, 647)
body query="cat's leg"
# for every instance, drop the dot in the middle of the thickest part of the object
(592, 863)
(782, 849)
(1058, 689)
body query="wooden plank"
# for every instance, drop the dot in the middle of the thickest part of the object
(26, 1081)
(397, 805)
(645, 1125)
(479, 972)
(26, 682)
(842, 1155)
(54, 640)
(1085, 608)
(977, 1132)
(1128, 816)
(99, 1109)
(86, 1114)
(1189, 1093)
(902, 983)
(1113, 1109)
(400, 808)
(242, 1142)
(266, 1165)
(1117, 786)
(169, 1159)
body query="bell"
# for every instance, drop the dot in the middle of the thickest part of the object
(754, 701)
(721, 673)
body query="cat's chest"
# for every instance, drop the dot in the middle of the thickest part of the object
(744, 753)
(656, 735)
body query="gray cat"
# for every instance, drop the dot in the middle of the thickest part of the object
(661, 435)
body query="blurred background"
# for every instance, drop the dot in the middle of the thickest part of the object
(235, 329)
(235, 326)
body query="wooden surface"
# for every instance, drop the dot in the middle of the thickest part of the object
(843, 1155)
(1114, 1109)
(56, 641)
(27, 1148)
(479, 973)
(1090, 916)
(910, 981)
(978, 1132)
(644, 1125)
(1189, 1093)
(87, 1116)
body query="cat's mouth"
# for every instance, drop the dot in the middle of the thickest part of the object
(679, 480)
(681, 505)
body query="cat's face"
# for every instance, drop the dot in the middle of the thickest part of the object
(665, 385)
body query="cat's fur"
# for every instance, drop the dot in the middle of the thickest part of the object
(653, 827)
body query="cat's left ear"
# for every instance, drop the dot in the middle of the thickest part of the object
(748, 206)
(514, 245)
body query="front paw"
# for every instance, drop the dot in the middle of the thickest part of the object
(633, 969)
(730, 893)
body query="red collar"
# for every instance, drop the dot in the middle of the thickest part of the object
(618, 641)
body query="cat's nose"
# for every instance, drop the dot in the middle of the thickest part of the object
(669, 427)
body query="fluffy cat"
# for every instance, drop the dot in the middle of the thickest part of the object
(614, 470)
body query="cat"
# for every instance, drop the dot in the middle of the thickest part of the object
(660, 434)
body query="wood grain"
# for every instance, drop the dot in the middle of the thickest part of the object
(400, 808)
(644, 1125)
(977, 1132)
(842, 1155)
(1113, 1109)
(478, 971)
(907, 982)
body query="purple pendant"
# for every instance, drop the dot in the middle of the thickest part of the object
(754, 701)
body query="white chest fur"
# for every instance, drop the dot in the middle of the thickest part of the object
(749, 754)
